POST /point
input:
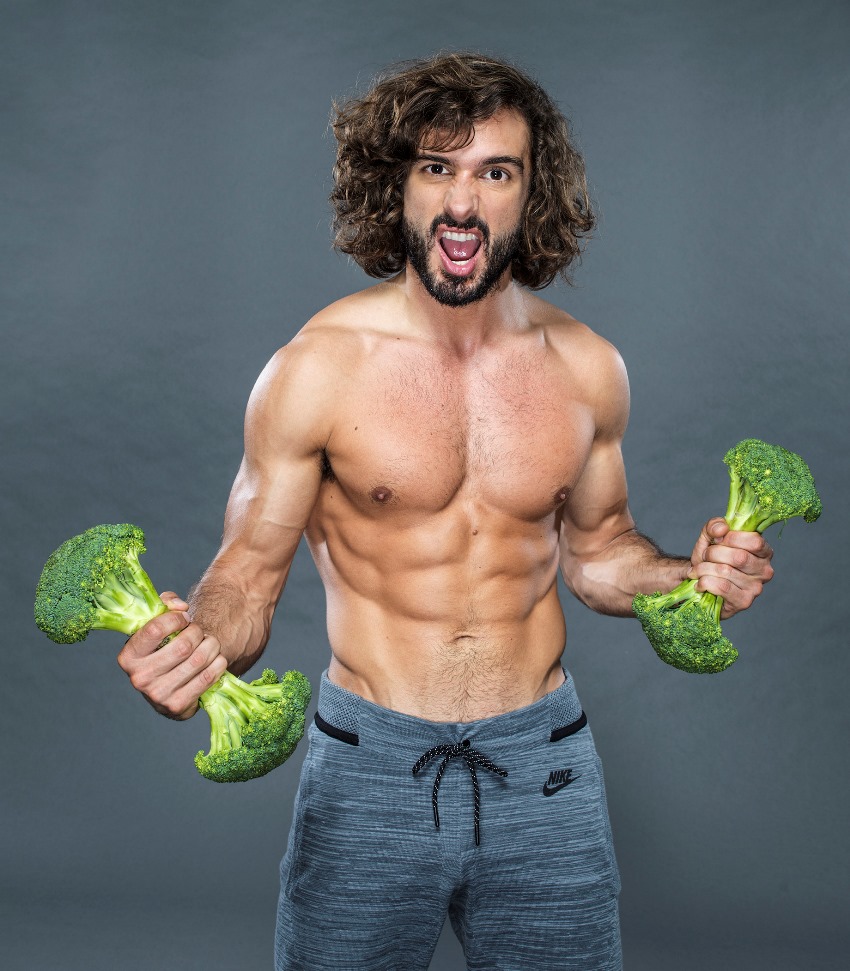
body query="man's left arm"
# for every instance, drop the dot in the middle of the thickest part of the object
(605, 561)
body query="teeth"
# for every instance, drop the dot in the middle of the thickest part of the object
(459, 237)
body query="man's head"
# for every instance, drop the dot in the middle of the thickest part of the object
(453, 107)
(463, 208)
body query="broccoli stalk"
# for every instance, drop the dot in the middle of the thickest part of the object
(94, 581)
(768, 484)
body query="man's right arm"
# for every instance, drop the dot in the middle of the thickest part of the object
(287, 426)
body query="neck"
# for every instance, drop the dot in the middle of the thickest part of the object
(464, 329)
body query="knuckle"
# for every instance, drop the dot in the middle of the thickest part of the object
(208, 676)
(214, 671)
(159, 628)
(156, 695)
(183, 647)
(199, 657)
(172, 707)
(140, 680)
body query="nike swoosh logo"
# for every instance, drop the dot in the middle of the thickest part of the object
(551, 790)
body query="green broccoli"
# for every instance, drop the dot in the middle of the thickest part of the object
(769, 484)
(255, 727)
(94, 581)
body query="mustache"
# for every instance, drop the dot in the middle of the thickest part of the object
(473, 223)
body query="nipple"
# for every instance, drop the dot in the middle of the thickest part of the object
(381, 494)
(560, 496)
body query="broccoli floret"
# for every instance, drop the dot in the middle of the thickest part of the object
(94, 581)
(255, 727)
(769, 484)
(684, 628)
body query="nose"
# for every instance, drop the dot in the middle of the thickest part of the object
(461, 200)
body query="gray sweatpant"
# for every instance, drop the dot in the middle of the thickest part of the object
(522, 862)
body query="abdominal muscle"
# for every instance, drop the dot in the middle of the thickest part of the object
(442, 624)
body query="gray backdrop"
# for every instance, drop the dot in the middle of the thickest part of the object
(165, 171)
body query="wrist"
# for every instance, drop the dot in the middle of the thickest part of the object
(666, 574)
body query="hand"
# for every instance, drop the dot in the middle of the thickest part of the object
(733, 565)
(174, 676)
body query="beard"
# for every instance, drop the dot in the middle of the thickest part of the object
(458, 291)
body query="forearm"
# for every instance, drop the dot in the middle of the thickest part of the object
(608, 579)
(239, 618)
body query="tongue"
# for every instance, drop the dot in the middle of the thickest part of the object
(460, 251)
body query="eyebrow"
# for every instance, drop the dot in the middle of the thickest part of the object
(493, 160)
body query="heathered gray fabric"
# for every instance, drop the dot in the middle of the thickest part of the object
(367, 878)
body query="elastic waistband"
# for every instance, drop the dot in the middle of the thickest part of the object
(352, 719)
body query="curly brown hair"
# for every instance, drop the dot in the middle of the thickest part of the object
(444, 96)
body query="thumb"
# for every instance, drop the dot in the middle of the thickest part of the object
(172, 601)
(711, 533)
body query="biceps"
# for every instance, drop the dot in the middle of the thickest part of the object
(278, 482)
(268, 509)
(597, 510)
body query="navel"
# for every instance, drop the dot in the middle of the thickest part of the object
(381, 494)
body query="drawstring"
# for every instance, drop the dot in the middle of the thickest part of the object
(472, 757)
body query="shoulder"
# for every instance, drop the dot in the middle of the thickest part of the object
(304, 379)
(592, 364)
(329, 345)
(575, 342)
(335, 340)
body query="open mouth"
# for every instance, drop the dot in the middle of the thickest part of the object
(459, 249)
(459, 246)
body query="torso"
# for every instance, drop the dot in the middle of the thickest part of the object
(437, 522)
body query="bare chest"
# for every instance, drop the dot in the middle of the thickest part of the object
(511, 435)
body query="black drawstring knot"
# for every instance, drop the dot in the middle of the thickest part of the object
(472, 757)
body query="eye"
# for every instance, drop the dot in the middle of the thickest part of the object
(497, 175)
(435, 168)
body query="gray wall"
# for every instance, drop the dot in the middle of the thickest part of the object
(165, 171)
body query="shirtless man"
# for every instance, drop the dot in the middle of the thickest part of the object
(445, 440)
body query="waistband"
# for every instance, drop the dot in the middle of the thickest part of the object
(352, 719)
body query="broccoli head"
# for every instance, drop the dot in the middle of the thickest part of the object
(255, 727)
(769, 484)
(684, 628)
(94, 581)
